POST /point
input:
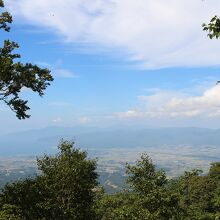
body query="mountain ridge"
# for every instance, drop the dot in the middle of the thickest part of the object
(45, 140)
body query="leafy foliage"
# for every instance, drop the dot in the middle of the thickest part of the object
(64, 190)
(198, 193)
(213, 27)
(25, 196)
(143, 177)
(148, 197)
(10, 212)
(69, 180)
(15, 76)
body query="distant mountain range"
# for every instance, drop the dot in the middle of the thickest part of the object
(34, 142)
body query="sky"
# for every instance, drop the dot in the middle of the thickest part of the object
(118, 63)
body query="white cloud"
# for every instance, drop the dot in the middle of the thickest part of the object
(64, 73)
(163, 104)
(157, 33)
(56, 70)
(57, 120)
(84, 120)
(44, 64)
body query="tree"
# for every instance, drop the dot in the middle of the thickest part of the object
(143, 176)
(150, 185)
(122, 206)
(24, 197)
(148, 197)
(70, 180)
(199, 194)
(213, 27)
(15, 76)
(64, 190)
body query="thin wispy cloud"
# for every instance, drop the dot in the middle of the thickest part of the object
(157, 34)
(84, 120)
(57, 71)
(64, 73)
(44, 64)
(57, 120)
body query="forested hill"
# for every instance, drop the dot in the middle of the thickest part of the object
(43, 140)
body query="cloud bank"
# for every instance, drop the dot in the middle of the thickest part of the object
(155, 33)
(163, 104)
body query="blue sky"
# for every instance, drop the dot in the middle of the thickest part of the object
(118, 63)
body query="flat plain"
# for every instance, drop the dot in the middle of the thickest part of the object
(112, 162)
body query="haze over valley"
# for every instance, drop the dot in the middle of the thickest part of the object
(173, 149)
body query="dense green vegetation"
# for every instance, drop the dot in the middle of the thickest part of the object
(67, 188)
(64, 190)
